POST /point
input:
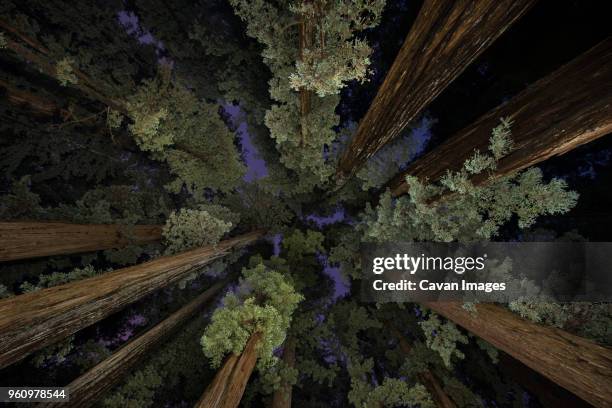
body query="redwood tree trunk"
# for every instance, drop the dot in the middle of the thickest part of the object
(230, 381)
(22, 240)
(34, 320)
(556, 114)
(427, 378)
(282, 396)
(89, 387)
(547, 392)
(577, 364)
(39, 105)
(445, 38)
(30, 50)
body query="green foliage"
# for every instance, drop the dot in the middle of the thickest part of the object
(259, 208)
(64, 71)
(4, 292)
(114, 119)
(60, 278)
(335, 57)
(590, 320)
(392, 392)
(278, 375)
(265, 303)
(173, 370)
(57, 352)
(20, 202)
(138, 391)
(388, 161)
(185, 132)
(188, 229)
(443, 337)
(3, 42)
(298, 245)
(554, 314)
(467, 212)
(321, 64)
(488, 348)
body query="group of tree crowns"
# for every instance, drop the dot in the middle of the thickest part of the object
(124, 113)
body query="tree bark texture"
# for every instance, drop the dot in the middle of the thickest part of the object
(568, 108)
(34, 320)
(23, 240)
(446, 37)
(427, 378)
(282, 396)
(89, 387)
(230, 381)
(547, 392)
(576, 364)
(37, 104)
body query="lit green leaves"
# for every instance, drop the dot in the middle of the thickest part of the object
(187, 229)
(64, 71)
(443, 337)
(466, 211)
(264, 303)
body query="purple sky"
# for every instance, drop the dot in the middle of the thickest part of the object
(256, 166)
(342, 285)
(324, 220)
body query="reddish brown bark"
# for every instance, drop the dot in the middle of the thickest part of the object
(576, 364)
(23, 240)
(282, 396)
(89, 387)
(30, 50)
(547, 392)
(34, 320)
(39, 105)
(230, 381)
(558, 113)
(427, 378)
(445, 38)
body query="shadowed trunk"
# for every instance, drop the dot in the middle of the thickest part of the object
(34, 320)
(579, 365)
(230, 381)
(31, 51)
(282, 396)
(426, 377)
(570, 107)
(445, 38)
(89, 387)
(39, 105)
(23, 240)
(547, 392)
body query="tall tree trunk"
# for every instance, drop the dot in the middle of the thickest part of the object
(282, 396)
(577, 364)
(29, 50)
(34, 320)
(445, 38)
(427, 378)
(23, 240)
(38, 104)
(556, 114)
(89, 387)
(230, 381)
(547, 392)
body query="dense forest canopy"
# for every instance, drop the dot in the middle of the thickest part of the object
(185, 186)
